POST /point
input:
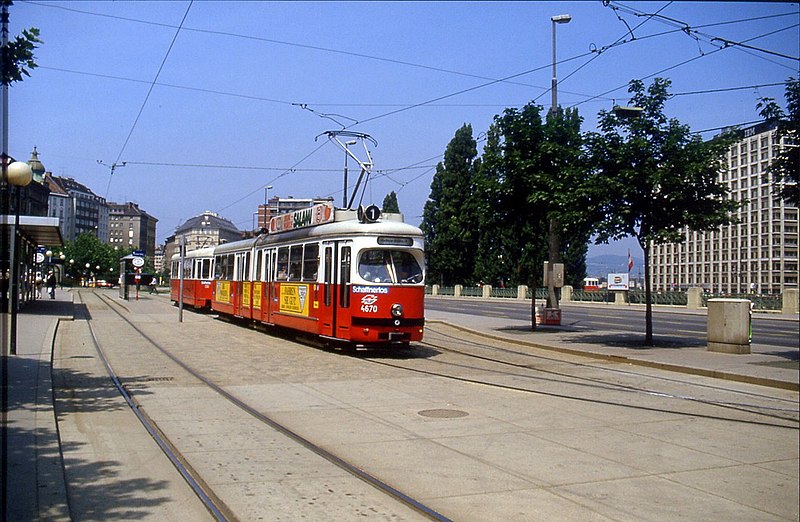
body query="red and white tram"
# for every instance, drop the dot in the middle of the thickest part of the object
(346, 276)
(198, 277)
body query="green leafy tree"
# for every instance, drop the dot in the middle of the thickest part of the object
(448, 218)
(652, 178)
(568, 202)
(512, 217)
(87, 248)
(785, 168)
(390, 203)
(16, 57)
(531, 177)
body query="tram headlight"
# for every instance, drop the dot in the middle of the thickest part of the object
(397, 310)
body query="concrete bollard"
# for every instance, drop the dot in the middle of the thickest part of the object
(729, 325)
(791, 303)
(435, 290)
(566, 294)
(694, 298)
(486, 291)
(522, 291)
(457, 289)
(621, 297)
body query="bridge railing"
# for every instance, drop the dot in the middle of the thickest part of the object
(787, 302)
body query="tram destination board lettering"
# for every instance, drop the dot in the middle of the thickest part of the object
(306, 217)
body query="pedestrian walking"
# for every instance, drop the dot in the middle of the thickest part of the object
(51, 284)
(153, 287)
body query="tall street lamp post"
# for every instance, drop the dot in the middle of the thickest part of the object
(553, 233)
(558, 19)
(19, 175)
(266, 202)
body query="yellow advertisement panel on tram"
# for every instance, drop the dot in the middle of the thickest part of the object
(294, 299)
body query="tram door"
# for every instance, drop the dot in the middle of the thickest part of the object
(261, 285)
(268, 292)
(337, 259)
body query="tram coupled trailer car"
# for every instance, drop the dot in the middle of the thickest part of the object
(328, 272)
(198, 278)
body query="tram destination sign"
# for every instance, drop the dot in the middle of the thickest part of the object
(306, 217)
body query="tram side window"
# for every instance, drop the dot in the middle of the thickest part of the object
(344, 296)
(187, 268)
(310, 262)
(283, 264)
(174, 272)
(295, 262)
(259, 274)
(224, 267)
(328, 274)
(243, 267)
(269, 262)
(205, 269)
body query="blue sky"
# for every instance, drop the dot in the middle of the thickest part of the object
(236, 97)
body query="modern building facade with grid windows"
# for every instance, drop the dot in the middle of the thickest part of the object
(758, 253)
(130, 227)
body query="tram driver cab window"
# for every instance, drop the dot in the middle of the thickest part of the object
(389, 266)
(374, 266)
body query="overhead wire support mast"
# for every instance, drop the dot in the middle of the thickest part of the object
(366, 166)
(113, 167)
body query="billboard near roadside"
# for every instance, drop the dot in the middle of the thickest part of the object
(618, 281)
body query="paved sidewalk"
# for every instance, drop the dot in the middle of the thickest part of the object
(765, 365)
(35, 481)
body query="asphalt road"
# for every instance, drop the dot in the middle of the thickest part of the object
(767, 330)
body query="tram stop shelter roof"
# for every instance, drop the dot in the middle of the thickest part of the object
(39, 230)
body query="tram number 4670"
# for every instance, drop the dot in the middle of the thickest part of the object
(368, 305)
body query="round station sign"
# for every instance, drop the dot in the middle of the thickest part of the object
(39, 257)
(138, 262)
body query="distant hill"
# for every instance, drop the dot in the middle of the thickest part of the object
(601, 266)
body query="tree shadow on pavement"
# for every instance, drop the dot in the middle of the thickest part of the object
(634, 341)
(40, 457)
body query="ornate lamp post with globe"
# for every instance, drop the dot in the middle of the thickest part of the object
(17, 174)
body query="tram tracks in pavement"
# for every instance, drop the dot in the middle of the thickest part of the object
(213, 503)
(530, 374)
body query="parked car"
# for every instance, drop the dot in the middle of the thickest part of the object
(102, 283)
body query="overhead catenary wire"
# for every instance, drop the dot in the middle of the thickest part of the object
(675, 66)
(600, 52)
(680, 27)
(149, 92)
(279, 42)
(403, 107)
(273, 180)
(694, 33)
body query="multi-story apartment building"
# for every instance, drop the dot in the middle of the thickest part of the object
(759, 252)
(131, 227)
(159, 263)
(61, 205)
(207, 229)
(88, 212)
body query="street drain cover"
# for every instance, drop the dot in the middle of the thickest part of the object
(443, 413)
